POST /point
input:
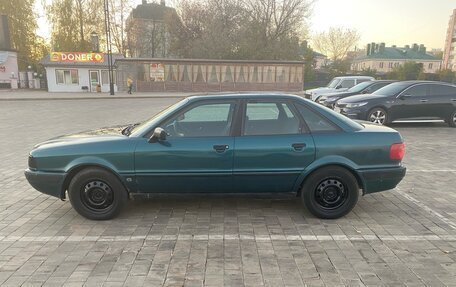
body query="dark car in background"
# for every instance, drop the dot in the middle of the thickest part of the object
(329, 100)
(408, 100)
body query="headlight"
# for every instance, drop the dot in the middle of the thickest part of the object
(332, 100)
(356, 105)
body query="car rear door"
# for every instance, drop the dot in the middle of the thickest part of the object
(440, 104)
(273, 148)
(197, 155)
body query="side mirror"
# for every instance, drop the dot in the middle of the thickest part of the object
(338, 87)
(365, 92)
(158, 135)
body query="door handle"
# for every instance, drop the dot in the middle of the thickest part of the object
(221, 148)
(298, 146)
(423, 101)
(453, 100)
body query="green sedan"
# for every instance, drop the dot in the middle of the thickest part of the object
(236, 143)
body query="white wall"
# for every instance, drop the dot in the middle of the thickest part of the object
(10, 67)
(83, 75)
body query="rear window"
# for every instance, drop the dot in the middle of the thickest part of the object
(392, 89)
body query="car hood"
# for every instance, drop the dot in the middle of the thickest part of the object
(360, 98)
(101, 134)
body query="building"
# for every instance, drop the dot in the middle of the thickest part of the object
(8, 58)
(78, 72)
(449, 53)
(384, 59)
(147, 32)
(320, 60)
(196, 75)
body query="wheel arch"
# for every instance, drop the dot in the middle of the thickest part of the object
(312, 169)
(75, 169)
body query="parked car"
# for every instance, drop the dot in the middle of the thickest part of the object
(329, 100)
(337, 84)
(409, 100)
(244, 143)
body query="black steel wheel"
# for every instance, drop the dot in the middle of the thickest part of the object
(97, 194)
(330, 192)
(378, 116)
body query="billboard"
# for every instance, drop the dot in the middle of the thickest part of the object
(79, 57)
(157, 72)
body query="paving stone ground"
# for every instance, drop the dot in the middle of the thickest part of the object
(403, 237)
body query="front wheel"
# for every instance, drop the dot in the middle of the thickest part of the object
(378, 116)
(452, 120)
(97, 194)
(330, 193)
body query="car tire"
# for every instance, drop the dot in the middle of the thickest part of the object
(378, 116)
(452, 120)
(330, 192)
(97, 194)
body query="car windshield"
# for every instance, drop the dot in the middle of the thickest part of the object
(391, 89)
(139, 126)
(333, 83)
(358, 88)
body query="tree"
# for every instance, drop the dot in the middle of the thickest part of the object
(447, 75)
(73, 21)
(118, 10)
(408, 71)
(336, 42)
(239, 29)
(22, 26)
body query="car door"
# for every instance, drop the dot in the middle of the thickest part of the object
(197, 155)
(410, 103)
(440, 104)
(273, 148)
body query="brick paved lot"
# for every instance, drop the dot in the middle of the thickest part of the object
(404, 237)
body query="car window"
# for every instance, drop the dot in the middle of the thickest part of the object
(204, 120)
(362, 80)
(416, 91)
(347, 83)
(375, 87)
(392, 89)
(315, 122)
(262, 118)
(334, 83)
(442, 90)
(359, 87)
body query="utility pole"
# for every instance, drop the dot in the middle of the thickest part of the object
(108, 47)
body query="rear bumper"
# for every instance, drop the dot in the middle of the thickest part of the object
(50, 183)
(375, 180)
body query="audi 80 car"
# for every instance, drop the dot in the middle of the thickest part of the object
(244, 143)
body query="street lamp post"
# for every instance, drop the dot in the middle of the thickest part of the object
(108, 47)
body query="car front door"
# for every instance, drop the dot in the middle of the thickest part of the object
(273, 148)
(409, 103)
(197, 155)
(440, 104)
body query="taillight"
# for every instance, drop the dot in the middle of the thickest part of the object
(397, 151)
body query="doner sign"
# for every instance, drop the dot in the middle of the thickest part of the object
(76, 57)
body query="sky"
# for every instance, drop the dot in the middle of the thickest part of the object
(395, 22)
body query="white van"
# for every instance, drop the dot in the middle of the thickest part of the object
(338, 84)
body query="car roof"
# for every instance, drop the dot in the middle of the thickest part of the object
(240, 95)
(426, 82)
(354, 77)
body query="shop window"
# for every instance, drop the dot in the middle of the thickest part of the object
(241, 74)
(227, 74)
(185, 72)
(105, 77)
(269, 74)
(171, 73)
(283, 74)
(214, 74)
(67, 77)
(255, 74)
(199, 73)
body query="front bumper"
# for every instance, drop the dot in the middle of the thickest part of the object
(50, 183)
(352, 113)
(375, 180)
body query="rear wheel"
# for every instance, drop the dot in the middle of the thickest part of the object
(378, 116)
(330, 192)
(452, 119)
(97, 194)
